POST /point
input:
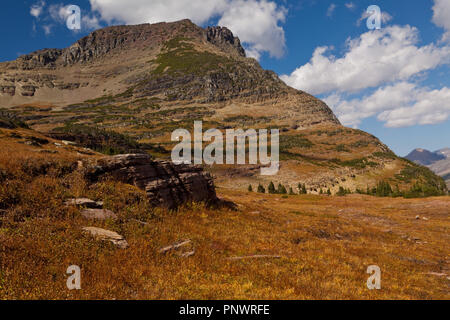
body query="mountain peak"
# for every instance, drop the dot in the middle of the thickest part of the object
(177, 62)
(143, 36)
(424, 157)
(223, 38)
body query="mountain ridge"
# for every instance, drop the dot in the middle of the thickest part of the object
(197, 65)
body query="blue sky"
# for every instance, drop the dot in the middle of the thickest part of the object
(393, 82)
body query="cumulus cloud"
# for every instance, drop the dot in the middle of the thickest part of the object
(58, 12)
(256, 22)
(398, 105)
(379, 73)
(441, 17)
(144, 11)
(373, 59)
(90, 22)
(36, 9)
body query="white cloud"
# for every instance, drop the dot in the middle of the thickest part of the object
(331, 9)
(90, 22)
(399, 105)
(441, 16)
(144, 11)
(256, 22)
(58, 12)
(373, 59)
(37, 9)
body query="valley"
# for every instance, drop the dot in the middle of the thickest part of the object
(87, 180)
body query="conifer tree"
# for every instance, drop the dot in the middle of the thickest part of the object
(281, 189)
(271, 188)
(261, 189)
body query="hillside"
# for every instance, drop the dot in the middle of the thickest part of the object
(267, 247)
(147, 80)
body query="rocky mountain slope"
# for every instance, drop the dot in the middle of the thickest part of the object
(438, 161)
(145, 81)
(166, 62)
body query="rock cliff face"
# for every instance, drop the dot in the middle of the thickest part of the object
(224, 39)
(104, 41)
(166, 184)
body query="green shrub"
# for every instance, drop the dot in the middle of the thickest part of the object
(103, 141)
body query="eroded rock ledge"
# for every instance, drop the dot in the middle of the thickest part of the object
(166, 184)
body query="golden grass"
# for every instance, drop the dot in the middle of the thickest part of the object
(325, 244)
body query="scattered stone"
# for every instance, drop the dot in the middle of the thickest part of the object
(187, 254)
(426, 219)
(32, 143)
(85, 203)
(107, 235)
(417, 217)
(68, 143)
(437, 274)
(98, 214)
(175, 246)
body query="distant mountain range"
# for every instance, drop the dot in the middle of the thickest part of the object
(438, 161)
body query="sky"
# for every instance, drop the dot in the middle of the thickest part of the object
(393, 82)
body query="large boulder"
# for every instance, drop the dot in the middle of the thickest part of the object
(167, 184)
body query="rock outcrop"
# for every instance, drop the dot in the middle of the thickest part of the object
(223, 38)
(85, 203)
(166, 184)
